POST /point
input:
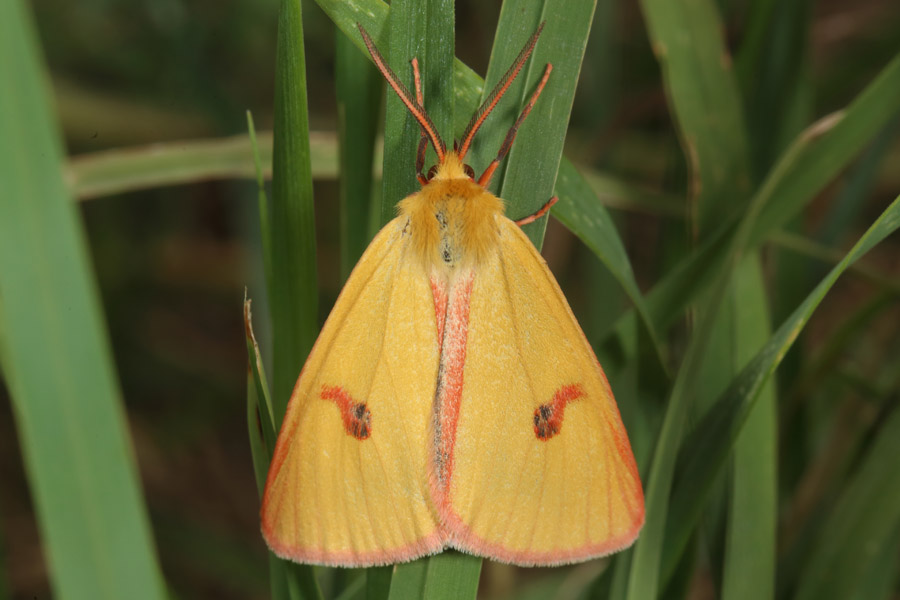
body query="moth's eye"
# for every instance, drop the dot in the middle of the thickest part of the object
(432, 172)
(469, 171)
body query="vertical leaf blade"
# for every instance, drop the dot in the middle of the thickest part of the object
(422, 30)
(56, 357)
(752, 518)
(293, 289)
(294, 293)
(703, 96)
(358, 88)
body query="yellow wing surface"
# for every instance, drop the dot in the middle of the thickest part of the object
(542, 472)
(348, 479)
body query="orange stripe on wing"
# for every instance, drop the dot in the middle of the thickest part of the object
(449, 388)
(439, 293)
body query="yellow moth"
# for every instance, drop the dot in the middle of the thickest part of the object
(451, 400)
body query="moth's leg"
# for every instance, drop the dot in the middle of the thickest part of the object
(540, 213)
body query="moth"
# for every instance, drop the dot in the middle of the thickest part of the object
(451, 399)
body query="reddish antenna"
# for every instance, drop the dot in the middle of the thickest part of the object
(499, 90)
(511, 134)
(411, 103)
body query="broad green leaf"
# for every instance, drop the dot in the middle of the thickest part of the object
(706, 451)
(56, 359)
(356, 589)
(863, 524)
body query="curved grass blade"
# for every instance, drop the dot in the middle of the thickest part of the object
(56, 358)
(111, 172)
(703, 96)
(579, 210)
(265, 420)
(804, 169)
(705, 453)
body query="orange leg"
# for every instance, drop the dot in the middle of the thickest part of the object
(540, 213)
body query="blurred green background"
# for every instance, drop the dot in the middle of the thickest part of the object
(172, 261)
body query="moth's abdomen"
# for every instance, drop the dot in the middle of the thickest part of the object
(452, 223)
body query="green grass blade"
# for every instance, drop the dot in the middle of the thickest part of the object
(703, 96)
(579, 210)
(704, 453)
(773, 68)
(452, 575)
(378, 582)
(881, 580)
(56, 357)
(265, 420)
(287, 581)
(262, 201)
(862, 526)
(526, 180)
(468, 86)
(293, 295)
(409, 580)
(752, 516)
(815, 158)
(423, 30)
(111, 172)
(358, 89)
(293, 300)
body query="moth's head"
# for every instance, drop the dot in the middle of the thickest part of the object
(451, 163)
(451, 167)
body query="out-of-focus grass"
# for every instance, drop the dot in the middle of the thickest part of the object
(673, 140)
